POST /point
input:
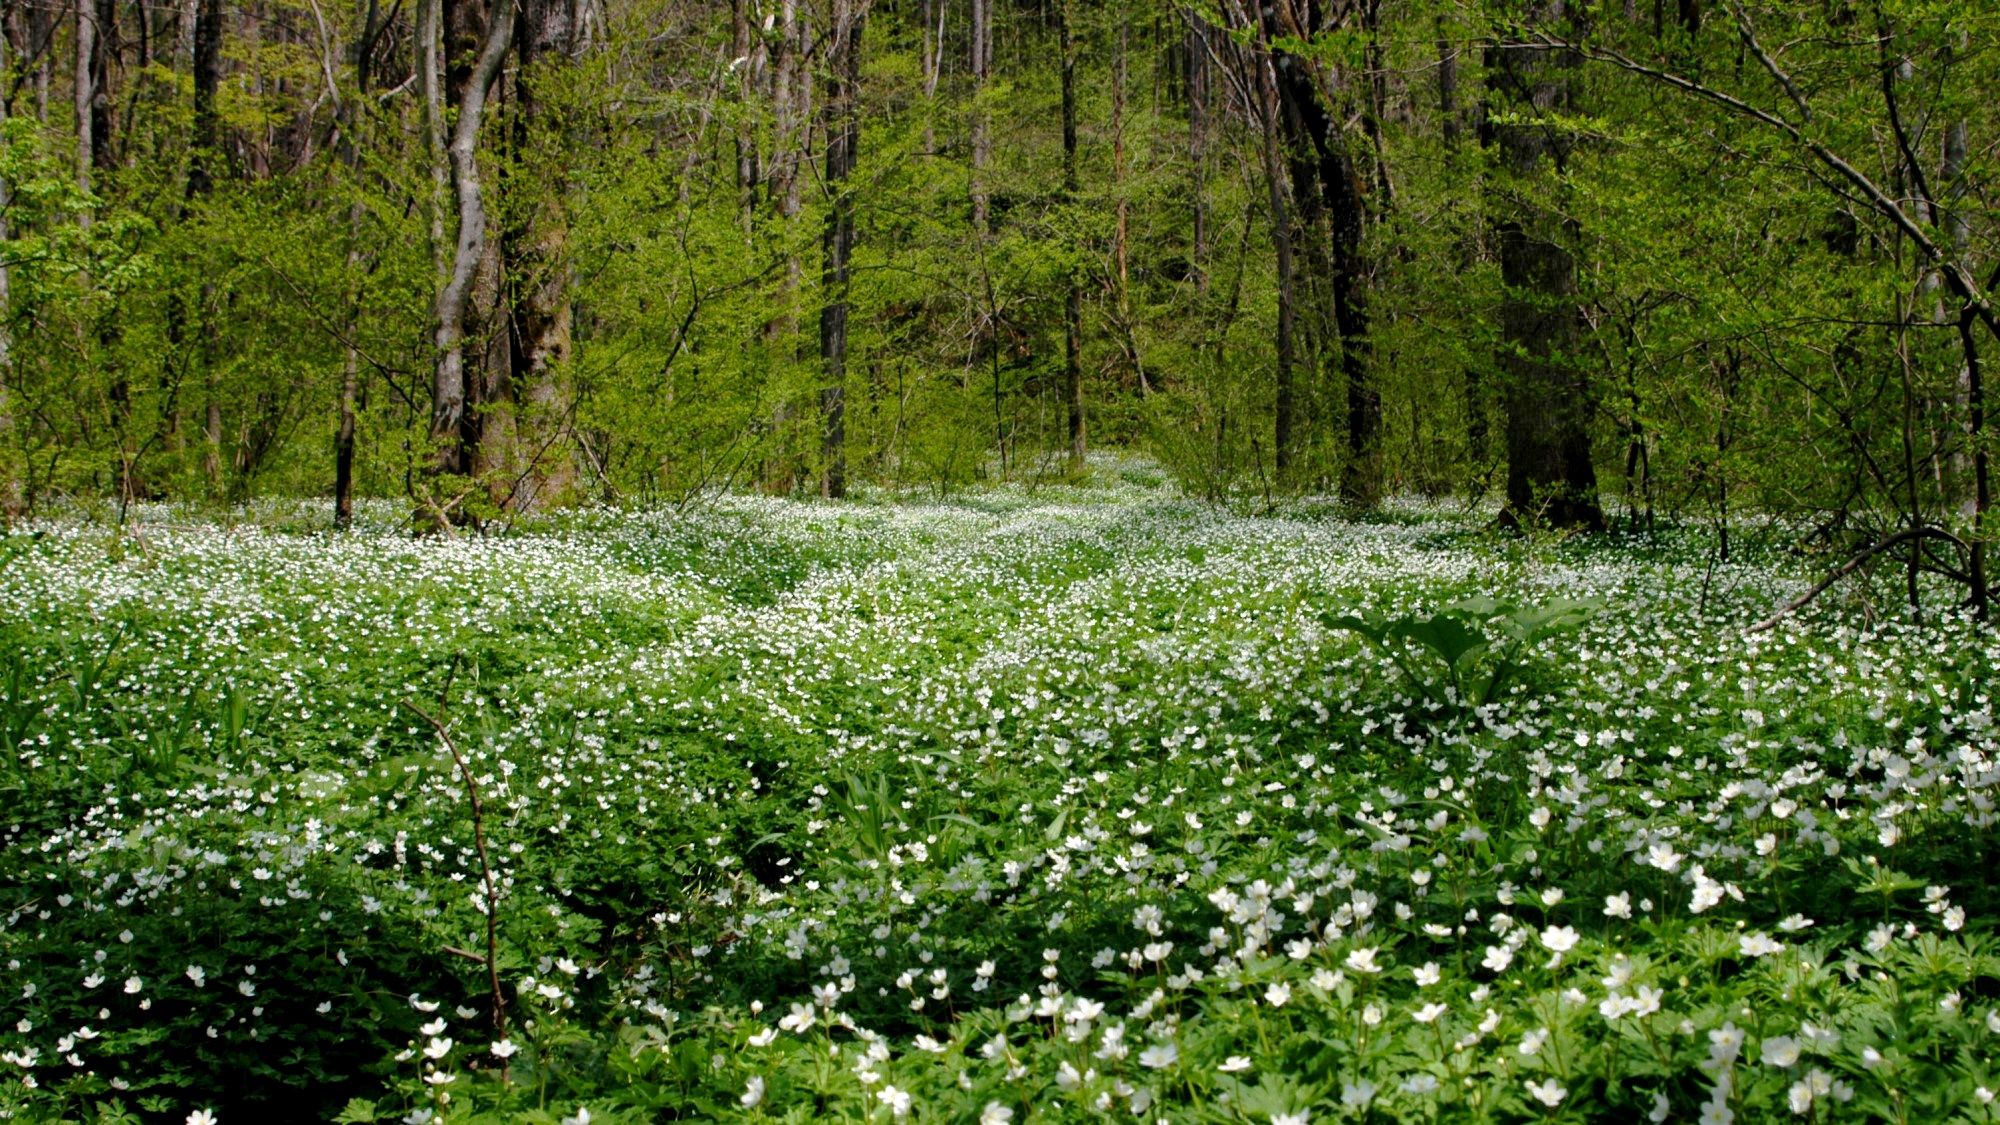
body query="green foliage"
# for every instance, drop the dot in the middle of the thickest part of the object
(1451, 656)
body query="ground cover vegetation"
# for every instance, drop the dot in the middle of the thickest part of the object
(1054, 804)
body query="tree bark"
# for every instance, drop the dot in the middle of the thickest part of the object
(1197, 95)
(84, 89)
(350, 375)
(843, 140)
(448, 386)
(1073, 301)
(1550, 477)
(982, 126)
(1325, 171)
(1281, 240)
(10, 481)
(534, 261)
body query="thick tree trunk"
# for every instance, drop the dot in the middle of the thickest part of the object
(1326, 172)
(1550, 477)
(534, 262)
(1073, 301)
(843, 139)
(448, 385)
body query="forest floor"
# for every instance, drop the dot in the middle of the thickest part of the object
(1025, 805)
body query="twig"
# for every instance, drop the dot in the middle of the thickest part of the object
(492, 904)
(1853, 564)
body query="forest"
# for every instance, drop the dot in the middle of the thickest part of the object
(1691, 259)
(589, 562)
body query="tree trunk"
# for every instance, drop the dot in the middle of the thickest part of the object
(1197, 95)
(448, 385)
(10, 481)
(1281, 240)
(982, 141)
(1550, 478)
(1073, 302)
(535, 266)
(84, 89)
(350, 376)
(843, 139)
(1325, 173)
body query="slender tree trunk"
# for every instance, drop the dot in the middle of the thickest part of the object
(1550, 477)
(1197, 94)
(843, 139)
(746, 135)
(982, 141)
(204, 144)
(350, 375)
(430, 69)
(1073, 302)
(1281, 240)
(84, 90)
(448, 384)
(10, 481)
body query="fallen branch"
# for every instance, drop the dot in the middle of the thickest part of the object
(492, 904)
(1853, 564)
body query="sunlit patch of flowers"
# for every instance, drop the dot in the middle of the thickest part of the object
(1064, 804)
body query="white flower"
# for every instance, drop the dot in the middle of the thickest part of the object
(1299, 1118)
(1278, 994)
(1664, 857)
(133, 985)
(1234, 1064)
(201, 1117)
(800, 1019)
(1725, 1042)
(504, 1049)
(1758, 944)
(1707, 892)
(1559, 939)
(1428, 1013)
(1427, 974)
(1531, 1043)
(1160, 1056)
(1618, 905)
(435, 1027)
(995, 1114)
(753, 1092)
(898, 1101)
(1363, 960)
(1357, 1094)
(1548, 1092)
(439, 1047)
(1658, 1113)
(198, 975)
(582, 1117)
(1780, 1050)
(422, 1005)
(764, 1038)
(1497, 958)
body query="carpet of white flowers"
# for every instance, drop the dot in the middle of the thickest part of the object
(1056, 805)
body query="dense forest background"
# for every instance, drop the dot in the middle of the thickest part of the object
(1615, 261)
